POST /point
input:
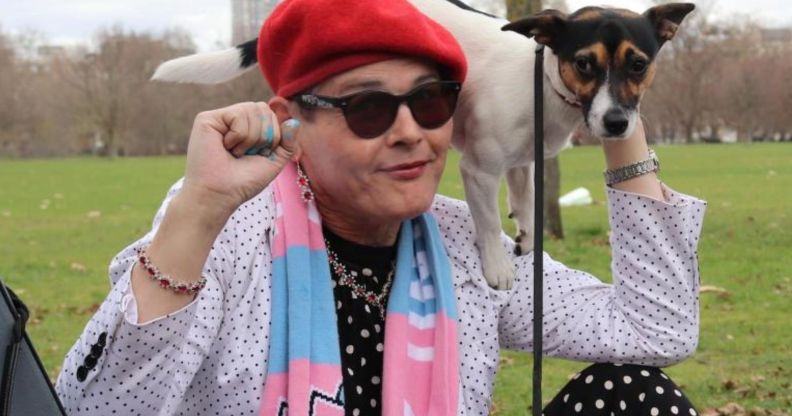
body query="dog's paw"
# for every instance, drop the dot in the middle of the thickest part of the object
(523, 242)
(498, 269)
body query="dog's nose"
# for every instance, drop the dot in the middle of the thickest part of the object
(615, 122)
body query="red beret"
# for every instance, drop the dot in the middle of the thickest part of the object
(304, 42)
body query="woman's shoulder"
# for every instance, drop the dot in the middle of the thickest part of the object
(452, 214)
(458, 233)
(445, 205)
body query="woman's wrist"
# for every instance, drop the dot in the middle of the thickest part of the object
(191, 224)
(206, 208)
(624, 152)
(179, 250)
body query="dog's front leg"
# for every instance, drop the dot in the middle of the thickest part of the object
(521, 206)
(481, 193)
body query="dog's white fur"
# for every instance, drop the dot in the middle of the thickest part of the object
(494, 127)
(493, 124)
(204, 68)
(602, 103)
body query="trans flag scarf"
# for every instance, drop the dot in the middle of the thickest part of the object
(420, 371)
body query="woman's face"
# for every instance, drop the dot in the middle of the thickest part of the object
(382, 180)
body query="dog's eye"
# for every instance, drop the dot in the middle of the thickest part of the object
(638, 66)
(583, 65)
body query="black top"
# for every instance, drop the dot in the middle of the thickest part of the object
(361, 330)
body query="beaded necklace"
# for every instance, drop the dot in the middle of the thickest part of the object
(345, 278)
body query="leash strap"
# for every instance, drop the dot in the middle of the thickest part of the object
(538, 265)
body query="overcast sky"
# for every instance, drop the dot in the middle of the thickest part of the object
(209, 21)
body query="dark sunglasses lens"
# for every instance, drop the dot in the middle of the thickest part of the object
(433, 105)
(370, 114)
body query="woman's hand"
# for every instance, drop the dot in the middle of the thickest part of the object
(219, 178)
(219, 172)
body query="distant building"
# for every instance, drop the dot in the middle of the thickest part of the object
(247, 16)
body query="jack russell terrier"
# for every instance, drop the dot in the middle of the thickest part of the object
(598, 65)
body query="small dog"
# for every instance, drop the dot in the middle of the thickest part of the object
(598, 66)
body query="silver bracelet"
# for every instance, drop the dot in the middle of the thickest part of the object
(614, 176)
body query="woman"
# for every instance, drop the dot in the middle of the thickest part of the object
(264, 283)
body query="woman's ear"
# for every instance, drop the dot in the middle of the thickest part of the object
(280, 106)
(283, 110)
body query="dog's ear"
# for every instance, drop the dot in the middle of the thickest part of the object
(666, 18)
(545, 27)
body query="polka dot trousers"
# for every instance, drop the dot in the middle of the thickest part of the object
(612, 389)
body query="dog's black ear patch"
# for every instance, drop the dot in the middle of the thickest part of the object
(666, 18)
(545, 27)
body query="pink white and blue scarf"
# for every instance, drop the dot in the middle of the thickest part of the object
(420, 374)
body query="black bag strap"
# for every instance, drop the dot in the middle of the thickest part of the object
(538, 271)
(21, 314)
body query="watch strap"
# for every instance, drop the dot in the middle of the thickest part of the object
(614, 176)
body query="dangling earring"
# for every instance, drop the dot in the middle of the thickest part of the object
(305, 185)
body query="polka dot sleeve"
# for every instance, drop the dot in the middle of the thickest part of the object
(149, 366)
(649, 315)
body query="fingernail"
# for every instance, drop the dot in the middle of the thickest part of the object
(269, 136)
(289, 128)
(255, 150)
(263, 150)
(269, 131)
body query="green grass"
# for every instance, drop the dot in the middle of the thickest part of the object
(61, 221)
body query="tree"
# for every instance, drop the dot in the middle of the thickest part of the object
(688, 75)
(8, 87)
(114, 83)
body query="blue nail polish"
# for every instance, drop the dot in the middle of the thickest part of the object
(269, 139)
(269, 135)
(289, 127)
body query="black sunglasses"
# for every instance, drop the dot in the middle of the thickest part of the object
(369, 114)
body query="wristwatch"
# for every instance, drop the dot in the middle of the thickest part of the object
(614, 176)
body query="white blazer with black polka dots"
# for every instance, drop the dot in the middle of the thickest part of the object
(210, 357)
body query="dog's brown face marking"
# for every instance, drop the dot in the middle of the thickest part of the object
(583, 89)
(624, 66)
(637, 71)
(599, 52)
(587, 13)
(580, 75)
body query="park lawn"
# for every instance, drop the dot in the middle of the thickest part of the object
(61, 221)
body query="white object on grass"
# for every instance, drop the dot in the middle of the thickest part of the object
(577, 196)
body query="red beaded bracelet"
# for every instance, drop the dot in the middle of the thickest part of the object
(165, 281)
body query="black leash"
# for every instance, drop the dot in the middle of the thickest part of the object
(538, 269)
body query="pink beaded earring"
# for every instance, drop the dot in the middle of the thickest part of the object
(305, 185)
